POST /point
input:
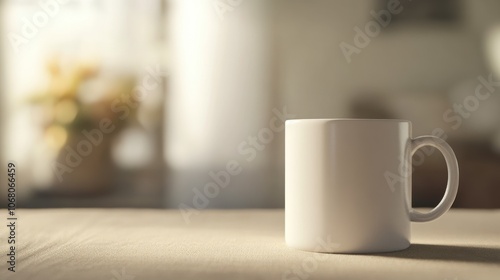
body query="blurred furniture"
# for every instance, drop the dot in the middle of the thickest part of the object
(236, 244)
(134, 189)
(472, 142)
(479, 177)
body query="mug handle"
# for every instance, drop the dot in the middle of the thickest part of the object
(451, 187)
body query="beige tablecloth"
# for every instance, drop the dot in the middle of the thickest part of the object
(126, 244)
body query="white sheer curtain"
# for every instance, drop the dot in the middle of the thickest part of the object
(220, 95)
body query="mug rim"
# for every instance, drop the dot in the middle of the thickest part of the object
(346, 120)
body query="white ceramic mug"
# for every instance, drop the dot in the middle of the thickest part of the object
(348, 184)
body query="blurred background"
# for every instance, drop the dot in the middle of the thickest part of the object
(171, 103)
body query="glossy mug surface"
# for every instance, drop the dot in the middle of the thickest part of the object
(348, 184)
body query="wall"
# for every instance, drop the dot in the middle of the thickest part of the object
(316, 80)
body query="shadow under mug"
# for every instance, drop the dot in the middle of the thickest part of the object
(348, 184)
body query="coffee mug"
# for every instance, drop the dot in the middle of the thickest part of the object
(348, 184)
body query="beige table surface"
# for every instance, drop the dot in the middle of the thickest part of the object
(126, 244)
